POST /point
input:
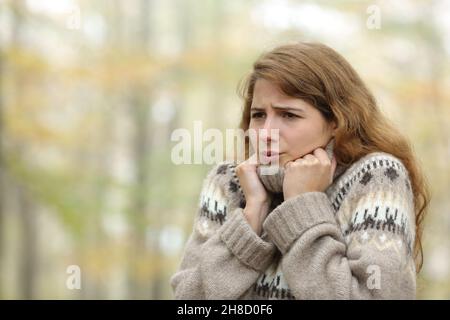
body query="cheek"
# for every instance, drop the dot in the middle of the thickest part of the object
(298, 136)
(299, 140)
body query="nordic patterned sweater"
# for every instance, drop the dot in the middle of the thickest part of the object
(353, 241)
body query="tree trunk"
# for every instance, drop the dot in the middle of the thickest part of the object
(2, 175)
(26, 215)
(28, 262)
(139, 283)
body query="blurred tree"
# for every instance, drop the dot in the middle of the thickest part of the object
(2, 174)
(26, 208)
(162, 65)
(139, 282)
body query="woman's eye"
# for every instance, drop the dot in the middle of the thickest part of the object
(257, 115)
(289, 115)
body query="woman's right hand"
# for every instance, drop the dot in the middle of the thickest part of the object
(256, 197)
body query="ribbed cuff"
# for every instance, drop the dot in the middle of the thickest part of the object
(289, 220)
(245, 244)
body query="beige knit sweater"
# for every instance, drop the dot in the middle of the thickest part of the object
(353, 241)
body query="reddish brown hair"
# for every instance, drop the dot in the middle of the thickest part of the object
(319, 75)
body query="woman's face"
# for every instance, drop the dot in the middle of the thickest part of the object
(302, 128)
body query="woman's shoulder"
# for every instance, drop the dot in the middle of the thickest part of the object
(374, 193)
(380, 159)
(376, 163)
(374, 171)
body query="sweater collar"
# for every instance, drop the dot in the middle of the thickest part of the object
(340, 169)
(274, 182)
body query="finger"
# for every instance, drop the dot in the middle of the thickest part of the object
(288, 164)
(310, 159)
(253, 159)
(299, 160)
(322, 155)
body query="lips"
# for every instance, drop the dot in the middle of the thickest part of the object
(269, 156)
(270, 153)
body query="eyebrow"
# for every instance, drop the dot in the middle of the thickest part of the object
(279, 107)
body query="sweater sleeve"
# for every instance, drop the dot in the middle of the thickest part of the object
(362, 252)
(223, 257)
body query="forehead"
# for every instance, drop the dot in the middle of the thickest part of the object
(266, 93)
(264, 88)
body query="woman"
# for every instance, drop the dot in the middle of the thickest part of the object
(345, 224)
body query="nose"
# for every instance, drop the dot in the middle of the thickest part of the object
(268, 133)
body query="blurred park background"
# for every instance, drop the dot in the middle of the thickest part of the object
(90, 92)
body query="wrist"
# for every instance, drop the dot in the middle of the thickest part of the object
(257, 204)
(255, 215)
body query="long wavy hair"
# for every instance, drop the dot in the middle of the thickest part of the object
(322, 77)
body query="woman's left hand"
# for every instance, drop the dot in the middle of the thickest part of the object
(310, 173)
